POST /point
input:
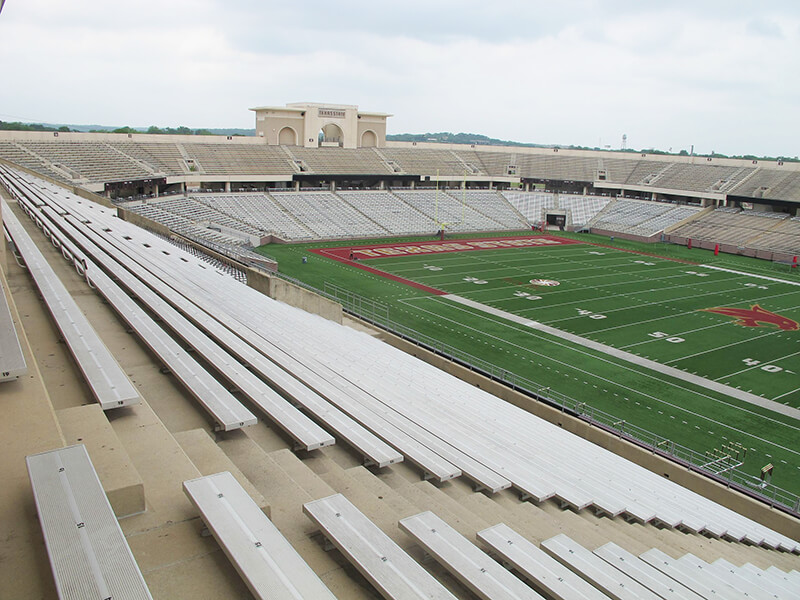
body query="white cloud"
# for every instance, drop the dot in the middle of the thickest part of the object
(710, 74)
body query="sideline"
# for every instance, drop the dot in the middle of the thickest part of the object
(632, 358)
(751, 275)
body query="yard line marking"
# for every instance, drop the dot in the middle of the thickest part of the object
(753, 275)
(689, 312)
(744, 341)
(786, 394)
(668, 300)
(627, 357)
(437, 299)
(679, 333)
(758, 366)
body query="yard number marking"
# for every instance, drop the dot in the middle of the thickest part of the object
(750, 362)
(590, 314)
(520, 294)
(666, 337)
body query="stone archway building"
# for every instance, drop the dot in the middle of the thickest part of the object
(301, 123)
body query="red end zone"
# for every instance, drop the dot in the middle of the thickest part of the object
(355, 254)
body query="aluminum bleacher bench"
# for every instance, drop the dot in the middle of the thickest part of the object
(12, 361)
(475, 569)
(791, 578)
(779, 587)
(547, 574)
(88, 553)
(379, 559)
(595, 570)
(226, 410)
(754, 585)
(691, 579)
(720, 581)
(108, 382)
(647, 575)
(307, 434)
(267, 562)
(231, 334)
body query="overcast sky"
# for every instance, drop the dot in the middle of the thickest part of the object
(722, 75)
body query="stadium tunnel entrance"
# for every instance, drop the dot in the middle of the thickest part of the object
(331, 136)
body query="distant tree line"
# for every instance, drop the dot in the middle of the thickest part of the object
(17, 126)
(478, 139)
(159, 130)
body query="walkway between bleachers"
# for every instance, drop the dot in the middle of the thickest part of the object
(631, 358)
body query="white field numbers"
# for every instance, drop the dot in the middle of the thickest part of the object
(751, 362)
(590, 314)
(660, 335)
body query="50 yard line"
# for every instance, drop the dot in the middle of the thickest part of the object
(631, 390)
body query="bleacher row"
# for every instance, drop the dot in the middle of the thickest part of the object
(99, 161)
(298, 216)
(640, 217)
(349, 384)
(503, 565)
(363, 378)
(774, 232)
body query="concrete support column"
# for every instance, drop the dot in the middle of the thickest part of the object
(382, 185)
(296, 186)
(585, 190)
(333, 186)
(228, 187)
(413, 184)
(527, 186)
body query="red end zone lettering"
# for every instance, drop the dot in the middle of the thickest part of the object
(344, 253)
(356, 255)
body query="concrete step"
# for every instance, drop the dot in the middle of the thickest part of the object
(284, 494)
(121, 481)
(382, 505)
(209, 459)
(301, 473)
(427, 496)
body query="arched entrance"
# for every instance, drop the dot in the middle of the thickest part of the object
(287, 137)
(369, 139)
(331, 135)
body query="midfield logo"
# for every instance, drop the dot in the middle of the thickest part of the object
(545, 282)
(751, 317)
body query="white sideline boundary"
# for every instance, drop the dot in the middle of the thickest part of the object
(775, 279)
(632, 358)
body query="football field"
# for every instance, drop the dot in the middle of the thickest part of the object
(705, 355)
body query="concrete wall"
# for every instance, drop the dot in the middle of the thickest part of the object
(268, 126)
(143, 222)
(627, 236)
(753, 509)
(294, 295)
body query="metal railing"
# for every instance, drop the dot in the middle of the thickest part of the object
(378, 313)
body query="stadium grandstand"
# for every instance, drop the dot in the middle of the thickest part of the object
(185, 421)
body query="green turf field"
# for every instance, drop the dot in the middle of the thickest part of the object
(646, 306)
